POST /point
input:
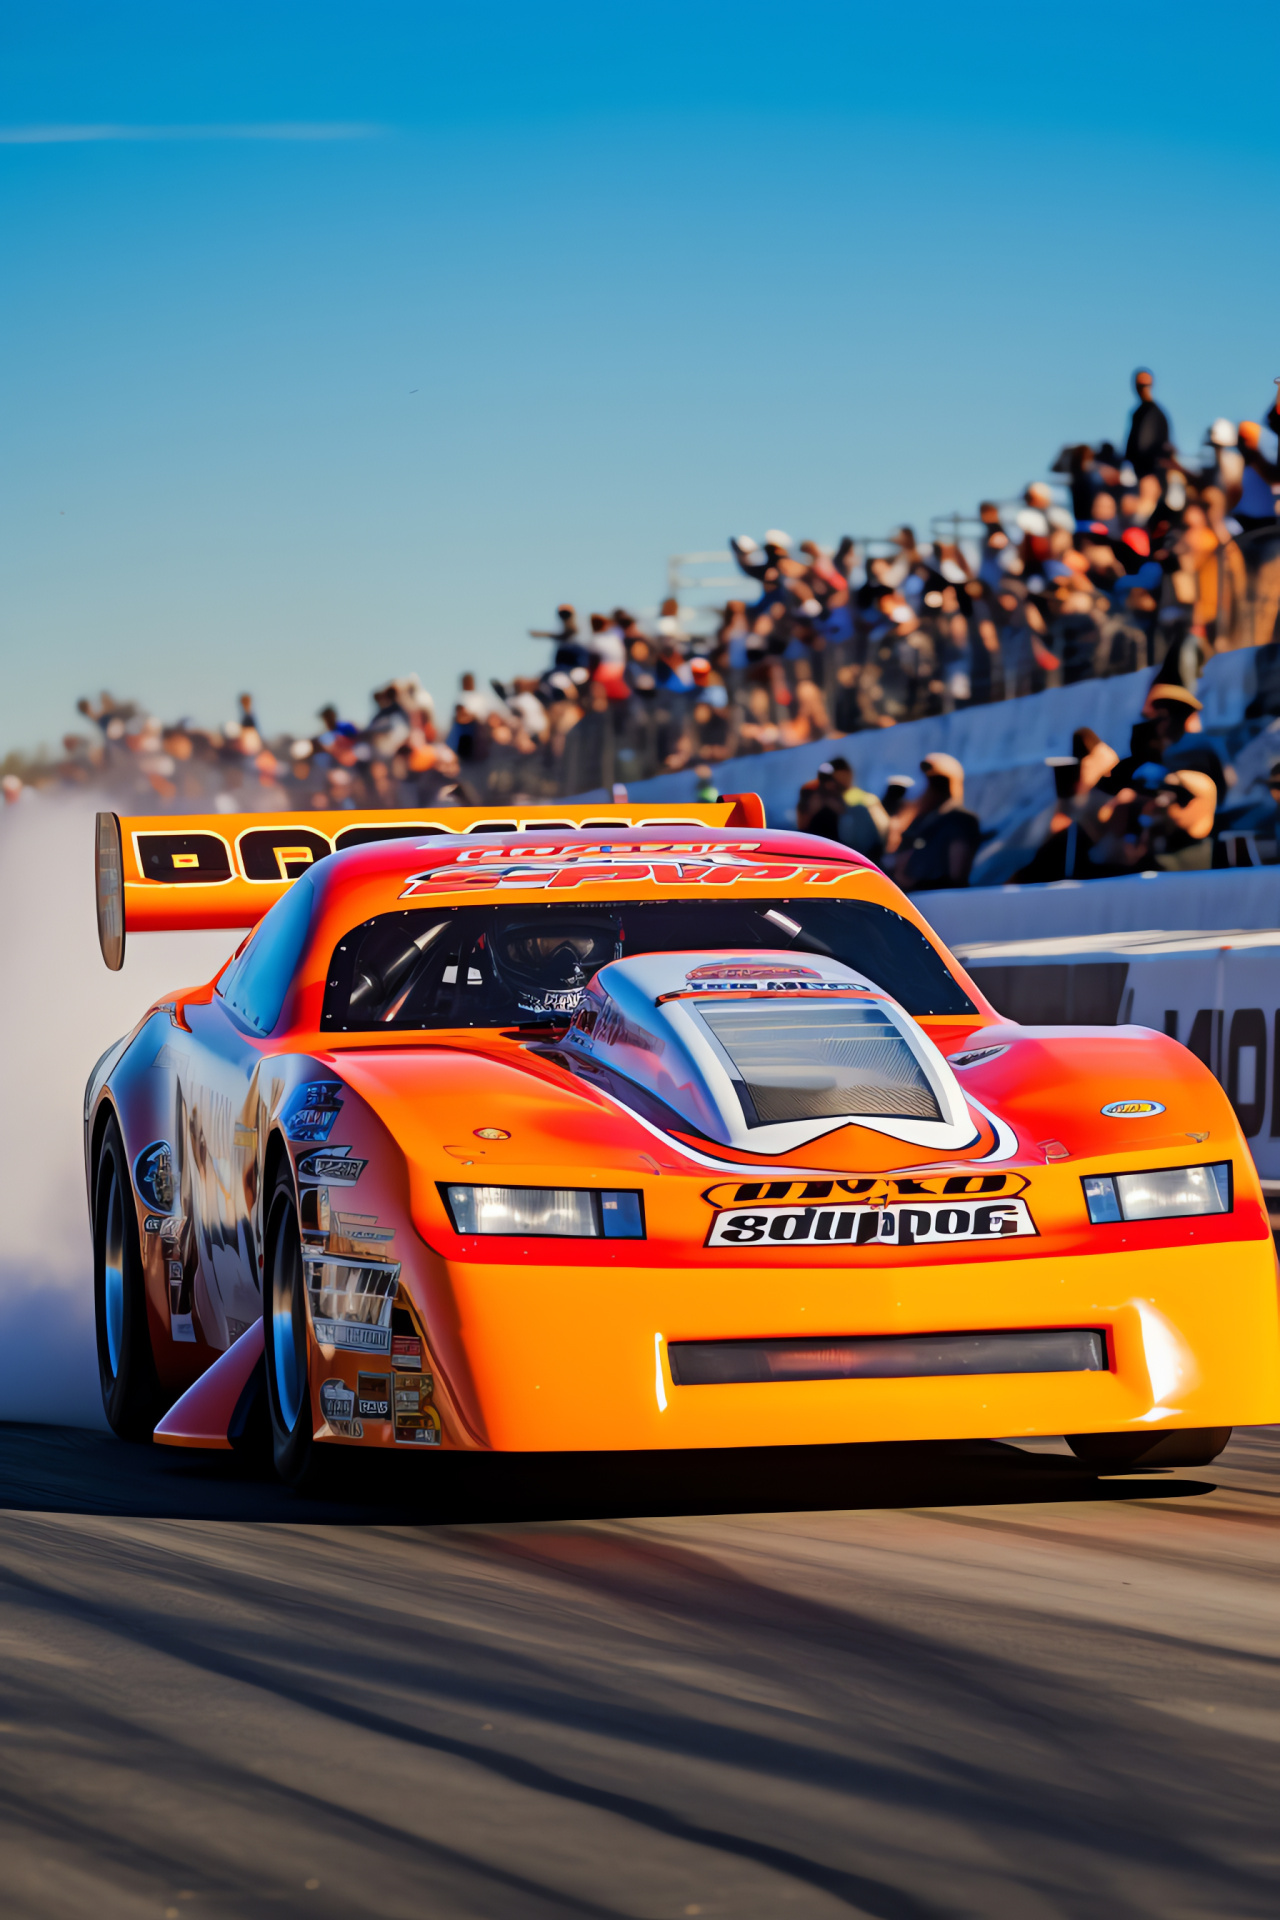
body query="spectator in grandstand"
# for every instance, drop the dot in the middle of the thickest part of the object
(999, 557)
(570, 652)
(1168, 739)
(1150, 436)
(985, 666)
(1065, 852)
(937, 849)
(1176, 818)
(808, 719)
(1076, 636)
(1080, 463)
(819, 803)
(1224, 468)
(1026, 661)
(824, 569)
(524, 703)
(893, 683)
(389, 729)
(849, 813)
(1256, 507)
(760, 732)
(1032, 520)
(1178, 737)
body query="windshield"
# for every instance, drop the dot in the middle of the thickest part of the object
(798, 1061)
(490, 966)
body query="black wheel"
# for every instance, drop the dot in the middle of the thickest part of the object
(286, 1348)
(1180, 1447)
(131, 1391)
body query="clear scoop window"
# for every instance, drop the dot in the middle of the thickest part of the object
(811, 1061)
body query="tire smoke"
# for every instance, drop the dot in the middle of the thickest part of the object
(59, 1010)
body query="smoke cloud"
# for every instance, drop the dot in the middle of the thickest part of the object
(59, 1010)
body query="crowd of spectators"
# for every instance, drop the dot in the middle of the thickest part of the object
(1123, 559)
(1165, 806)
(919, 831)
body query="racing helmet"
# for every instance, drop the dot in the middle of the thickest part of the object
(546, 960)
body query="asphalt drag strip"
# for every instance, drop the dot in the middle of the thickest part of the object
(901, 1682)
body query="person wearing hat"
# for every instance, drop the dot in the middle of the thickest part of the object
(1169, 732)
(938, 847)
(750, 556)
(1179, 740)
(1225, 468)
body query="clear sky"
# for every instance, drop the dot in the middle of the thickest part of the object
(341, 340)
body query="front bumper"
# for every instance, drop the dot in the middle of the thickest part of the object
(548, 1358)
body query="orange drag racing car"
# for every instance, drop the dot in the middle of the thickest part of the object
(629, 1128)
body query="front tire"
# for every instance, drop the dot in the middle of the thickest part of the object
(1180, 1447)
(132, 1397)
(286, 1341)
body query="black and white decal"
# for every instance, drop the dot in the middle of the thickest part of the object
(853, 1226)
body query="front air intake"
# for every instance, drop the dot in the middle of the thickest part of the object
(721, 1363)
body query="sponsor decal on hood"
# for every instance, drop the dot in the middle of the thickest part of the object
(855, 1226)
(665, 864)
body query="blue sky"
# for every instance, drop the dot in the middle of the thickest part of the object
(340, 341)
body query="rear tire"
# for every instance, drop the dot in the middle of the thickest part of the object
(287, 1343)
(132, 1397)
(1180, 1447)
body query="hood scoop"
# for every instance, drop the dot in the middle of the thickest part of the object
(766, 1052)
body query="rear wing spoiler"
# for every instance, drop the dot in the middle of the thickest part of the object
(161, 872)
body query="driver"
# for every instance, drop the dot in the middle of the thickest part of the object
(546, 962)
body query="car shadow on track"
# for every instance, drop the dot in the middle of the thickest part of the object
(68, 1470)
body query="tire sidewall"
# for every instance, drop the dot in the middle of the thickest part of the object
(131, 1394)
(293, 1448)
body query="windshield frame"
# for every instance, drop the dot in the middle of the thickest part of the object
(918, 967)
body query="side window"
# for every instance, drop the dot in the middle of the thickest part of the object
(888, 949)
(255, 985)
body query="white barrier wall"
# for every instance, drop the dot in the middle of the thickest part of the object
(1219, 994)
(1002, 749)
(1229, 897)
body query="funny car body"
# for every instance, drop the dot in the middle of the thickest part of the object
(611, 1131)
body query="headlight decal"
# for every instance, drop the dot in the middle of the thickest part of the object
(561, 1213)
(1160, 1193)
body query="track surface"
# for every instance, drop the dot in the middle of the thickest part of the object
(911, 1682)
